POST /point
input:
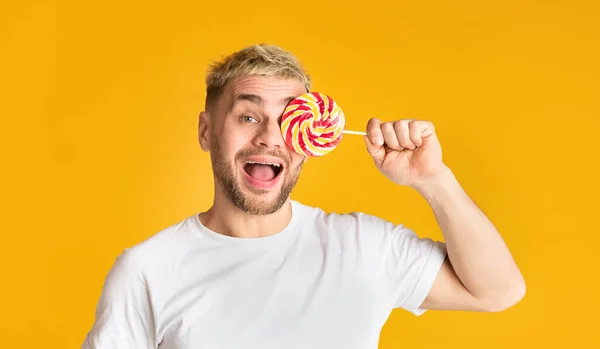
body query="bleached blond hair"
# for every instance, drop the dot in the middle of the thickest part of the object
(259, 59)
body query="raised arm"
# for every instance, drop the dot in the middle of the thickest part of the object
(479, 272)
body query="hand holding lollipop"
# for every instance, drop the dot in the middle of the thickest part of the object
(406, 151)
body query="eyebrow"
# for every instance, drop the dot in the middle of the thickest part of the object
(256, 99)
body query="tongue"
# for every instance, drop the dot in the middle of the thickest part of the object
(260, 172)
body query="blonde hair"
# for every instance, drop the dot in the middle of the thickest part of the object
(259, 59)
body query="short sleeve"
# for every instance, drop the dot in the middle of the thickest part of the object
(414, 263)
(124, 316)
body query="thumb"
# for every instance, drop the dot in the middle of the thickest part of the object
(377, 152)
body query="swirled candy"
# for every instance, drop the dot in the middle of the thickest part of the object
(312, 124)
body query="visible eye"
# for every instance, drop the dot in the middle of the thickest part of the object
(247, 118)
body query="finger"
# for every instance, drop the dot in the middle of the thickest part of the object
(374, 132)
(377, 152)
(418, 130)
(402, 133)
(415, 131)
(389, 135)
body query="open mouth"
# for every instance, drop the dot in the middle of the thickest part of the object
(262, 171)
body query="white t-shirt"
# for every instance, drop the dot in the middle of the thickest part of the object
(326, 281)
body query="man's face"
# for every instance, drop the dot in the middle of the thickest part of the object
(252, 165)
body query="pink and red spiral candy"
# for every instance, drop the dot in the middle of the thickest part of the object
(312, 124)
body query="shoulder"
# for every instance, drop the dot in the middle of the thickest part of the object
(335, 225)
(165, 247)
(337, 219)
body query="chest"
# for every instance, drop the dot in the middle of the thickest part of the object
(299, 298)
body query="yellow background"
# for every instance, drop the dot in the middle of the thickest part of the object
(99, 149)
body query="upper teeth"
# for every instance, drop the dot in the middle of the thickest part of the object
(263, 163)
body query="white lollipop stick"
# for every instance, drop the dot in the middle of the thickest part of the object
(354, 132)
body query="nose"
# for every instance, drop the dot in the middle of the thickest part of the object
(269, 135)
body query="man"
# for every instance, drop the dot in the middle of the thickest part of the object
(258, 270)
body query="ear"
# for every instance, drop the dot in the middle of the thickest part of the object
(204, 131)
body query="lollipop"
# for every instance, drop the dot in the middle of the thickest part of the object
(313, 124)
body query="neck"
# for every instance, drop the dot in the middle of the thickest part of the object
(225, 218)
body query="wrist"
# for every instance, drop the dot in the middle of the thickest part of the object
(439, 186)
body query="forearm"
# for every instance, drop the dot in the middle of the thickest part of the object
(477, 252)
